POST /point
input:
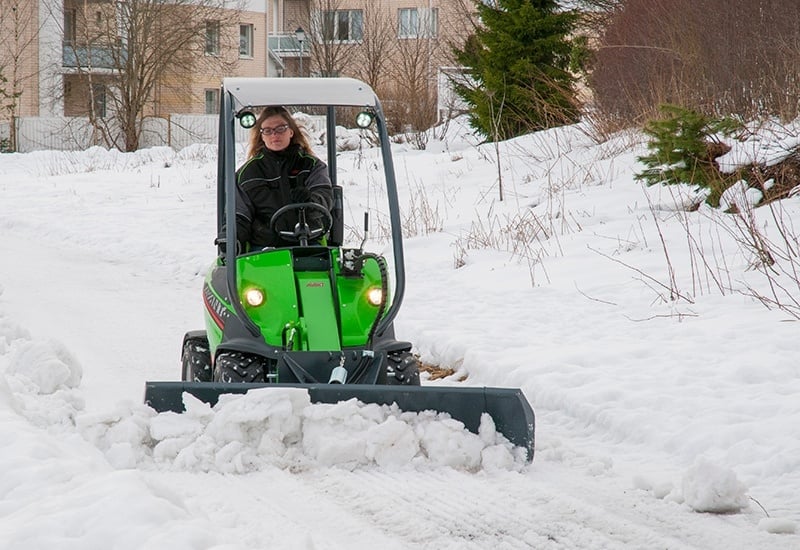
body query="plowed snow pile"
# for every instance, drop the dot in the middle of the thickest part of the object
(282, 428)
(242, 433)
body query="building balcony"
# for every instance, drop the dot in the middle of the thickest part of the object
(92, 57)
(287, 45)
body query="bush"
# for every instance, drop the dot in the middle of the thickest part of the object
(715, 56)
(683, 148)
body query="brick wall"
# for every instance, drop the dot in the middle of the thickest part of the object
(18, 54)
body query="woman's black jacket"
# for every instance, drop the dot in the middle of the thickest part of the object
(270, 180)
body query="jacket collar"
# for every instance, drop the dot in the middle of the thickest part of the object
(290, 151)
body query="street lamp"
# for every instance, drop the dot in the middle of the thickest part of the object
(300, 34)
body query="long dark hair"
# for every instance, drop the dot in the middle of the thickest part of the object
(298, 137)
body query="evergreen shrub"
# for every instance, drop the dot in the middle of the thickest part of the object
(683, 146)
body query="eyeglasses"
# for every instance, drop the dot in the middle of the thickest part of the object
(277, 130)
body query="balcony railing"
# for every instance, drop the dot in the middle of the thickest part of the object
(286, 44)
(96, 57)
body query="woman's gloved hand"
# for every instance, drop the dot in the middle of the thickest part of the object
(300, 194)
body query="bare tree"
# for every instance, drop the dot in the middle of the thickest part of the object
(378, 45)
(144, 47)
(422, 49)
(414, 97)
(596, 15)
(466, 12)
(682, 52)
(18, 31)
(336, 31)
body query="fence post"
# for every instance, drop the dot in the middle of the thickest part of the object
(12, 134)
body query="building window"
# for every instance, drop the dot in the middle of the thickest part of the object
(342, 26)
(245, 40)
(276, 5)
(212, 37)
(70, 27)
(98, 100)
(212, 102)
(418, 23)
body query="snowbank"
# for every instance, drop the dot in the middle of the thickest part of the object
(242, 433)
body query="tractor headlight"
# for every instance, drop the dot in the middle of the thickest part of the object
(247, 119)
(364, 119)
(375, 296)
(254, 297)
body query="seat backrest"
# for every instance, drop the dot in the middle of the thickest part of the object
(336, 236)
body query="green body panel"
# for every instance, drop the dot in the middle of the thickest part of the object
(303, 308)
(357, 314)
(213, 331)
(321, 327)
(272, 273)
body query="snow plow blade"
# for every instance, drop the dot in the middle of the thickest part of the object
(511, 412)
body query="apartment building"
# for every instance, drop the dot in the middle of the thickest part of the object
(62, 58)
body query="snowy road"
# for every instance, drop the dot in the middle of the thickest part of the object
(124, 326)
(552, 504)
(109, 263)
(545, 508)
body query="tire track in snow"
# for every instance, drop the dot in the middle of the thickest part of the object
(267, 510)
(456, 510)
(437, 509)
(543, 508)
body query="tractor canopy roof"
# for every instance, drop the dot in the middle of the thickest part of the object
(253, 92)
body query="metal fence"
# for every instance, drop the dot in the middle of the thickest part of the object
(75, 133)
(176, 131)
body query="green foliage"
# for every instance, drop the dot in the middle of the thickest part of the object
(9, 97)
(519, 61)
(683, 146)
(580, 54)
(3, 83)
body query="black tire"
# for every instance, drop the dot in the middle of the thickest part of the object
(234, 366)
(195, 361)
(402, 370)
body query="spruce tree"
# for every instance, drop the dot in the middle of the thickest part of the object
(519, 63)
(683, 145)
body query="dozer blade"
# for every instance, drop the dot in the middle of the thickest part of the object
(511, 412)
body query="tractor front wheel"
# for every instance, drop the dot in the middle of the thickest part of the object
(195, 361)
(234, 366)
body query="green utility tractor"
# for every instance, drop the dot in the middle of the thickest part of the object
(316, 316)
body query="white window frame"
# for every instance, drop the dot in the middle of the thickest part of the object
(353, 29)
(429, 22)
(212, 101)
(212, 37)
(407, 22)
(246, 40)
(417, 23)
(100, 98)
(70, 25)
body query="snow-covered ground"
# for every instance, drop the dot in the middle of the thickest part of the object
(666, 395)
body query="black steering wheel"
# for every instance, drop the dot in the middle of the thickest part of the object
(302, 231)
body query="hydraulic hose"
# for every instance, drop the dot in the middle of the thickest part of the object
(381, 261)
